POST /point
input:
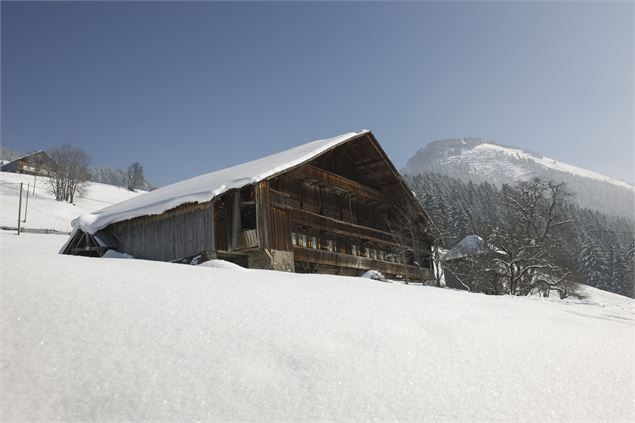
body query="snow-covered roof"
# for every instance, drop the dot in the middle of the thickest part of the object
(205, 187)
(469, 246)
(33, 153)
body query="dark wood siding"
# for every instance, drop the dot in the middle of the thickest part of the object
(263, 213)
(280, 229)
(178, 233)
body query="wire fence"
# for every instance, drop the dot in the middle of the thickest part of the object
(34, 230)
(23, 193)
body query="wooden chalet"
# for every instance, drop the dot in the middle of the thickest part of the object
(334, 206)
(38, 163)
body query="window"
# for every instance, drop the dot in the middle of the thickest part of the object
(330, 245)
(367, 252)
(354, 250)
(314, 242)
(294, 238)
(302, 240)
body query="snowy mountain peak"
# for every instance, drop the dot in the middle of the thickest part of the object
(482, 160)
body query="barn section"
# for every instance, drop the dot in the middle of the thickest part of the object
(334, 206)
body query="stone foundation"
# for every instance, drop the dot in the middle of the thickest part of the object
(271, 260)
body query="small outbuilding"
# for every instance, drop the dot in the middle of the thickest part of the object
(335, 206)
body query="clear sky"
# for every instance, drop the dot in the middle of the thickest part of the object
(187, 88)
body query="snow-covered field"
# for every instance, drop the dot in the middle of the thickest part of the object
(114, 339)
(43, 212)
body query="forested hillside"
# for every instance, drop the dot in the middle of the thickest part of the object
(118, 177)
(601, 246)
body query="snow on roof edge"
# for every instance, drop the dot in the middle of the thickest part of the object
(27, 155)
(206, 187)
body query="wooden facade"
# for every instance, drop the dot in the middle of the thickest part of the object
(345, 211)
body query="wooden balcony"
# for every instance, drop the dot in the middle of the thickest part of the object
(361, 263)
(340, 227)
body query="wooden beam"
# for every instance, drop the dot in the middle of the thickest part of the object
(81, 249)
(235, 209)
(212, 217)
(263, 213)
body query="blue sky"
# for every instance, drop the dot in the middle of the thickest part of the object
(187, 88)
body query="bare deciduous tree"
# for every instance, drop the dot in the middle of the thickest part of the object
(526, 240)
(70, 172)
(39, 165)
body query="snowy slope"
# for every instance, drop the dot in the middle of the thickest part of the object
(114, 339)
(43, 211)
(481, 160)
(495, 151)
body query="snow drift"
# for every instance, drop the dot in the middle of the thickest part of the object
(109, 339)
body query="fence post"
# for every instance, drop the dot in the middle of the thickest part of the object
(26, 206)
(20, 208)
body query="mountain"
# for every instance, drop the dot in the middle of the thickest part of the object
(481, 160)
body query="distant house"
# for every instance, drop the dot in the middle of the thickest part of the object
(38, 163)
(335, 206)
(457, 264)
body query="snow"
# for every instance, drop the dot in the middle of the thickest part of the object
(374, 274)
(107, 339)
(43, 211)
(221, 264)
(205, 187)
(116, 254)
(550, 163)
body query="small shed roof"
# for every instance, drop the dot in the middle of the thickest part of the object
(205, 187)
(471, 245)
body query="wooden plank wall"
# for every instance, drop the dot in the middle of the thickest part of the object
(182, 232)
(280, 229)
(263, 214)
(220, 228)
(326, 202)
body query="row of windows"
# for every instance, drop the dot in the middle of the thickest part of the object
(312, 241)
